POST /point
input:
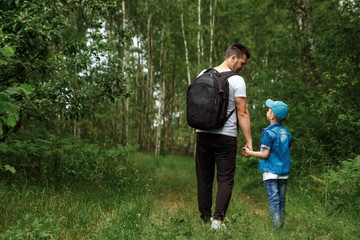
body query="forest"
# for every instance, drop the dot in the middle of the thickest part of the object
(86, 85)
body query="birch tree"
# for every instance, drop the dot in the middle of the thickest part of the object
(125, 62)
(161, 94)
(186, 49)
(199, 36)
(212, 23)
(149, 89)
(302, 11)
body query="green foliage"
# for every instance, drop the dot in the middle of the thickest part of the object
(339, 118)
(7, 168)
(54, 160)
(85, 76)
(343, 187)
(6, 53)
(58, 51)
(26, 31)
(336, 191)
(9, 105)
(347, 175)
(31, 228)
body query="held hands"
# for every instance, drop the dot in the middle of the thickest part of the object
(246, 150)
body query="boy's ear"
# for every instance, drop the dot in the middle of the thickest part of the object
(272, 115)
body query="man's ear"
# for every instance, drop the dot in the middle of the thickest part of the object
(233, 58)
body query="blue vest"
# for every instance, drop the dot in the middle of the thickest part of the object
(277, 139)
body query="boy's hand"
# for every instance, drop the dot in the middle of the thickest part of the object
(246, 150)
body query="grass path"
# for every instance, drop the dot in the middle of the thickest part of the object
(160, 203)
(174, 214)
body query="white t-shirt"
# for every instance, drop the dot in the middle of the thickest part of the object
(237, 88)
(269, 175)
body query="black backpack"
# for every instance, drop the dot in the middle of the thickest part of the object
(207, 100)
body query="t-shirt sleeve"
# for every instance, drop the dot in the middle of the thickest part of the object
(266, 141)
(240, 87)
(201, 72)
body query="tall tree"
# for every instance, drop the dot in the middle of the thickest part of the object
(186, 48)
(199, 36)
(125, 62)
(161, 97)
(212, 24)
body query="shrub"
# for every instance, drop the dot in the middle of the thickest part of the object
(344, 187)
(54, 160)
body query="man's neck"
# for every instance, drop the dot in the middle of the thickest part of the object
(223, 67)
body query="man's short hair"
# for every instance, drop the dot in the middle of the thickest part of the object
(237, 49)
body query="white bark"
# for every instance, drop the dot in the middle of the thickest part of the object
(199, 35)
(211, 33)
(202, 46)
(309, 25)
(212, 23)
(161, 98)
(150, 75)
(125, 60)
(186, 49)
(305, 23)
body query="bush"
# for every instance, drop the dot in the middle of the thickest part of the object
(337, 190)
(344, 187)
(54, 160)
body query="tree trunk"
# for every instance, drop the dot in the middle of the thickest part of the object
(212, 23)
(125, 61)
(74, 128)
(199, 35)
(161, 98)
(149, 48)
(303, 16)
(149, 102)
(186, 49)
(170, 109)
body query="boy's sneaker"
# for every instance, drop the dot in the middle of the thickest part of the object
(217, 225)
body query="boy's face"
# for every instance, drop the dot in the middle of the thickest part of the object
(269, 114)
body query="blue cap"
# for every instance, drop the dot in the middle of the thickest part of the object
(279, 108)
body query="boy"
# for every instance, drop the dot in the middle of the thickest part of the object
(274, 162)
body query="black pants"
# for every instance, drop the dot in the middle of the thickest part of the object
(211, 150)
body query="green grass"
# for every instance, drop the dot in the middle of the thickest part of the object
(160, 203)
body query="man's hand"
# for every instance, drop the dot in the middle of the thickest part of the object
(249, 147)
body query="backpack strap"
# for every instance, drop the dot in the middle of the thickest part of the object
(209, 69)
(228, 74)
(237, 120)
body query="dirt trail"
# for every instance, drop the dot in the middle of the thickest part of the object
(259, 208)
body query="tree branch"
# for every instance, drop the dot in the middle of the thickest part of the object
(299, 6)
(31, 70)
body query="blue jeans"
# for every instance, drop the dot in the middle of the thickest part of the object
(276, 190)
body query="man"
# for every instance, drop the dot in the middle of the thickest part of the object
(219, 147)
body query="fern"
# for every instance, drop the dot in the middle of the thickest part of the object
(344, 185)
